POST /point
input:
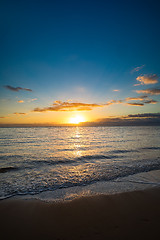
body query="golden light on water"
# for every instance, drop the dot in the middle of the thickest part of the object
(77, 119)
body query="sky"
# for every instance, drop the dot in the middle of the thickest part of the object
(83, 60)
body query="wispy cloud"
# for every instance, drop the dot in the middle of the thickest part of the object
(147, 79)
(135, 104)
(151, 91)
(20, 101)
(32, 100)
(141, 98)
(69, 106)
(144, 115)
(113, 102)
(17, 89)
(21, 113)
(151, 101)
(137, 69)
(116, 90)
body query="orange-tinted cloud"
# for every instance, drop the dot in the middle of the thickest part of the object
(113, 102)
(148, 79)
(151, 91)
(141, 98)
(78, 106)
(16, 113)
(16, 89)
(20, 101)
(69, 106)
(116, 90)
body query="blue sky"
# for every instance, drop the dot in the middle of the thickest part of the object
(79, 51)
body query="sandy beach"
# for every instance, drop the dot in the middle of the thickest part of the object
(130, 215)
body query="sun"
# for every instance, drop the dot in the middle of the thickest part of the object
(77, 119)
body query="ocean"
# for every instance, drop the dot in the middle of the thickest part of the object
(61, 163)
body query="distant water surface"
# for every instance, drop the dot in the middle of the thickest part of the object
(34, 160)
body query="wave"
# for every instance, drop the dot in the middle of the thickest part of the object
(123, 151)
(151, 148)
(90, 157)
(52, 162)
(70, 161)
(113, 173)
(8, 169)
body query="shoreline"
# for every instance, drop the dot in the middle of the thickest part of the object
(128, 215)
(135, 182)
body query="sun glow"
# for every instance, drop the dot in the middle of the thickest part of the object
(77, 119)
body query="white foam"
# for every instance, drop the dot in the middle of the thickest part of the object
(134, 182)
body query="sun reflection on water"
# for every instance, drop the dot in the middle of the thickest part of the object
(77, 144)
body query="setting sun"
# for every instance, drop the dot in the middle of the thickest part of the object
(77, 119)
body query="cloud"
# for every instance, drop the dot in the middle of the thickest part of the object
(3, 117)
(20, 101)
(151, 101)
(147, 79)
(16, 89)
(113, 102)
(79, 106)
(144, 119)
(69, 106)
(116, 90)
(32, 100)
(141, 98)
(135, 104)
(151, 91)
(16, 113)
(144, 115)
(138, 84)
(137, 69)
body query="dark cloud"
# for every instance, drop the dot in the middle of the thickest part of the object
(151, 91)
(135, 104)
(151, 101)
(144, 119)
(144, 115)
(16, 89)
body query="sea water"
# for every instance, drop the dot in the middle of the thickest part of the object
(56, 162)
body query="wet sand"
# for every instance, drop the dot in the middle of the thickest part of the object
(131, 215)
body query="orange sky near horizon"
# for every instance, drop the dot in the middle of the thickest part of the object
(80, 59)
